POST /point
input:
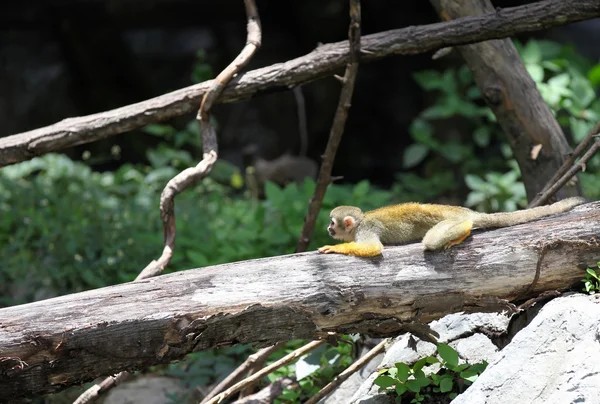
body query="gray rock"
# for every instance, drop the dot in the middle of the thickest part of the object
(556, 359)
(475, 349)
(147, 390)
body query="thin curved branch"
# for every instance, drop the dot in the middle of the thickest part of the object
(322, 62)
(337, 129)
(189, 176)
(355, 367)
(292, 356)
(562, 175)
(253, 361)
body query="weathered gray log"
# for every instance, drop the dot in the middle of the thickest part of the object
(48, 345)
(322, 62)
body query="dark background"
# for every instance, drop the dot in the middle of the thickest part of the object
(62, 59)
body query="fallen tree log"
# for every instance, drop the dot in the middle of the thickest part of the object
(320, 63)
(48, 345)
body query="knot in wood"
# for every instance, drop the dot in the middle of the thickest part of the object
(493, 95)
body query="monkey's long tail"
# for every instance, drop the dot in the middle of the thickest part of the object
(484, 220)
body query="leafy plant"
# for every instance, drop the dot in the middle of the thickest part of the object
(591, 282)
(568, 83)
(429, 375)
(314, 370)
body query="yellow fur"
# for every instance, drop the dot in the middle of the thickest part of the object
(438, 226)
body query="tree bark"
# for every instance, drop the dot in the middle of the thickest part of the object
(322, 62)
(511, 93)
(49, 345)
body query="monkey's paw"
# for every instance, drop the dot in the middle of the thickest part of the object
(327, 249)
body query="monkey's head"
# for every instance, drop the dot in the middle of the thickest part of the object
(344, 222)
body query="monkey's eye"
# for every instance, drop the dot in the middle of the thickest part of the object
(332, 223)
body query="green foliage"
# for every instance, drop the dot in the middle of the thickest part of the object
(568, 83)
(65, 228)
(201, 70)
(447, 154)
(497, 192)
(314, 370)
(591, 282)
(429, 376)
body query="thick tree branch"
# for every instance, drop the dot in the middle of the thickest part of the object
(49, 345)
(322, 62)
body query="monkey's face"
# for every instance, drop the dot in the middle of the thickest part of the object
(341, 229)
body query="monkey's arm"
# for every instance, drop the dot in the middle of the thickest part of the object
(367, 244)
(370, 249)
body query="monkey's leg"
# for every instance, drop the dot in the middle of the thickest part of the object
(353, 248)
(447, 233)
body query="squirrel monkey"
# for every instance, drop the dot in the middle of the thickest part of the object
(439, 226)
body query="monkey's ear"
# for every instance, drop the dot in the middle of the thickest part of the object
(349, 222)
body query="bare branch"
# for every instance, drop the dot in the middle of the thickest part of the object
(189, 176)
(289, 358)
(578, 166)
(269, 393)
(560, 177)
(355, 367)
(322, 62)
(337, 129)
(302, 120)
(253, 361)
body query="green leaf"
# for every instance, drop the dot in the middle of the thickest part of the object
(448, 354)
(400, 388)
(385, 381)
(439, 111)
(414, 154)
(361, 189)
(159, 130)
(454, 152)
(428, 79)
(422, 132)
(532, 53)
(469, 375)
(583, 91)
(446, 384)
(579, 128)
(449, 82)
(475, 182)
(419, 365)
(403, 371)
(475, 198)
(274, 193)
(482, 136)
(592, 273)
(536, 72)
(465, 76)
(413, 386)
(594, 75)
(423, 380)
